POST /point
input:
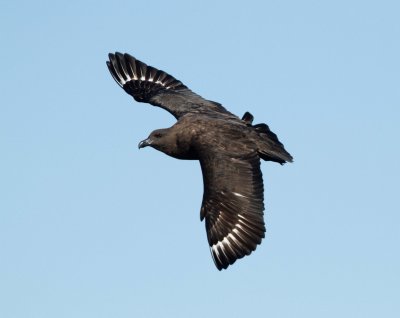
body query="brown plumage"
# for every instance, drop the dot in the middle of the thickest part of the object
(228, 148)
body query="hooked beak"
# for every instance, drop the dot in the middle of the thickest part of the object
(145, 143)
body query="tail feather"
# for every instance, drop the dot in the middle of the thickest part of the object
(270, 148)
(264, 129)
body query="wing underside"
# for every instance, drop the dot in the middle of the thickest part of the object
(232, 206)
(149, 85)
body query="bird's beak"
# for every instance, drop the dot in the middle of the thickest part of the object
(144, 143)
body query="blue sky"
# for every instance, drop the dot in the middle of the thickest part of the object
(92, 227)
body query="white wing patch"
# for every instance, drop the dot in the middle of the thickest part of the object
(121, 81)
(239, 195)
(226, 241)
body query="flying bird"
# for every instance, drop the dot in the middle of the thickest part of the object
(228, 148)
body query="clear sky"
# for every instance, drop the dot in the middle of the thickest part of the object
(92, 227)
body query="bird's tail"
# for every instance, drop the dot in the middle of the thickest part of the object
(269, 146)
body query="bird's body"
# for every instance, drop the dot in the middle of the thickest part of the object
(228, 148)
(194, 132)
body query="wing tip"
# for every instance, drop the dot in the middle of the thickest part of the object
(236, 245)
(224, 261)
(125, 68)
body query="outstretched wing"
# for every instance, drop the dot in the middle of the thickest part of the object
(149, 85)
(232, 205)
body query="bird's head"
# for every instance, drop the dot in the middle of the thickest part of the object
(167, 141)
(158, 139)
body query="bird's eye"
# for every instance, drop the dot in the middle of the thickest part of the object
(157, 135)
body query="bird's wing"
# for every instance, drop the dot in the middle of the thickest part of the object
(149, 85)
(232, 205)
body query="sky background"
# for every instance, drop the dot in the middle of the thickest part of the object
(92, 227)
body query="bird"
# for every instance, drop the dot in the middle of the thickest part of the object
(229, 149)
